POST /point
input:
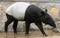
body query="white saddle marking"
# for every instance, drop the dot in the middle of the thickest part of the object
(17, 10)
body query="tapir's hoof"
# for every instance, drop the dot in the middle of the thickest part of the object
(45, 35)
(26, 34)
(16, 33)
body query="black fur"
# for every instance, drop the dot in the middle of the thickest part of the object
(9, 20)
(33, 15)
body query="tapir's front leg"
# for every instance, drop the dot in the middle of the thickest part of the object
(41, 28)
(27, 28)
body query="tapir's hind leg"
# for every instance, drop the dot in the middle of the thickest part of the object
(9, 20)
(15, 25)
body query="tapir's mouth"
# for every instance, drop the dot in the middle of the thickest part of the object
(53, 28)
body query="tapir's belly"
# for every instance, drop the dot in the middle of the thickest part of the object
(18, 10)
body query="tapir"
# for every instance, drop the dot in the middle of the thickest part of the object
(22, 11)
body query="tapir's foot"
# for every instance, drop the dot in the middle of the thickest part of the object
(16, 33)
(45, 35)
(26, 34)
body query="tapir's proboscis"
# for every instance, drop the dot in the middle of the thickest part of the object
(21, 11)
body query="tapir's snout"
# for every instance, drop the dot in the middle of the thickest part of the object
(55, 30)
(52, 23)
(53, 26)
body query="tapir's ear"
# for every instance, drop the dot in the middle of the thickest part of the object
(44, 12)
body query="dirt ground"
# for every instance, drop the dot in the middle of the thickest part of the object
(33, 34)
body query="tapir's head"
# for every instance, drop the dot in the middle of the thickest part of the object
(47, 19)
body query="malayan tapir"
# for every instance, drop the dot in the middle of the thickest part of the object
(22, 11)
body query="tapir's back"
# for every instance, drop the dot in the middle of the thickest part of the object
(17, 9)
